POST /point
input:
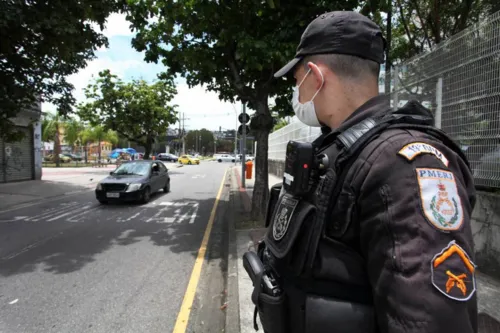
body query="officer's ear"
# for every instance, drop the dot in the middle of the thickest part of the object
(318, 73)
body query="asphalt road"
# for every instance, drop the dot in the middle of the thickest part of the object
(72, 265)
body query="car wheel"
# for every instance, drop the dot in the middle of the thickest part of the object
(220, 161)
(166, 189)
(146, 195)
(232, 161)
(103, 202)
(189, 162)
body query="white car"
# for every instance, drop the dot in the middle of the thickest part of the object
(224, 158)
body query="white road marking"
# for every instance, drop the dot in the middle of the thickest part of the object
(66, 214)
(199, 176)
(14, 301)
(80, 216)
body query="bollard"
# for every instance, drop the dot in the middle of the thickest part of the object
(248, 169)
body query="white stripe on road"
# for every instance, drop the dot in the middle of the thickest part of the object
(65, 214)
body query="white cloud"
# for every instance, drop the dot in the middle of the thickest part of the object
(116, 25)
(81, 79)
(203, 109)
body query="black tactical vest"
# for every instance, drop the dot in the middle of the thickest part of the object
(324, 281)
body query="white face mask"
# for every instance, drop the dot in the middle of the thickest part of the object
(306, 111)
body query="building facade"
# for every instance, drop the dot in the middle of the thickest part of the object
(22, 160)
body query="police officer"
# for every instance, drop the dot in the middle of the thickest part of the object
(383, 241)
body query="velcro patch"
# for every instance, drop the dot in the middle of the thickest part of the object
(453, 273)
(439, 198)
(412, 150)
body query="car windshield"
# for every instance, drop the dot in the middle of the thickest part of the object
(139, 169)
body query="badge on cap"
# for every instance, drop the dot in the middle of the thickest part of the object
(412, 150)
(439, 198)
(453, 273)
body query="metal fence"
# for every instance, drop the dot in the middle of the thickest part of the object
(459, 81)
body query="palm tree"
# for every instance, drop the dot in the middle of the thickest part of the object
(51, 125)
(72, 132)
(99, 134)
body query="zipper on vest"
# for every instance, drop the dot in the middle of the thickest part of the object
(386, 199)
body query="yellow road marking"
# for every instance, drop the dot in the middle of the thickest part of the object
(187, 302)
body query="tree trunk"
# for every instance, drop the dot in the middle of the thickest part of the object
(147, 148)
(99, 150)
(86, 150)
(261, 126)
(57, 147)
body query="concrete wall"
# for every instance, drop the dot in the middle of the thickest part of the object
(485, 226)
(32, 118)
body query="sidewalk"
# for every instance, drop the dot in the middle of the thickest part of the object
(243, 240)
(488, 289)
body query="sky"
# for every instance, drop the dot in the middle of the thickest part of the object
(202, 109)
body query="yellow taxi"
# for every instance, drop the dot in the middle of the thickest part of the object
(188, 159)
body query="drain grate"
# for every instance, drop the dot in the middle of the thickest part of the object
(487, 324)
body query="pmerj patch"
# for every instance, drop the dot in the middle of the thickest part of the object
(283, 215)
(412, 150)
(453, 273)
(439, 198)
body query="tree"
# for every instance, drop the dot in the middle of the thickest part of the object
(233, 48)
(136, 110)
(280, 124)
(99, 134)
(200, 140)
(42, 43)
(51, 126)
(72, 132)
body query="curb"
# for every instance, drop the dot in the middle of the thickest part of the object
(233, 309)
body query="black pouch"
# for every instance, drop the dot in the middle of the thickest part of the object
(325, 314)
(274, 195)
(273, 313)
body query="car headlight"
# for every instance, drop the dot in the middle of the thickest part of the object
(133, 187)
(99, 187)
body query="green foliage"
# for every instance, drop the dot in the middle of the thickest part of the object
(201, 141)
(233, 48)
(42, 42)
(136, 110)
(280, 124)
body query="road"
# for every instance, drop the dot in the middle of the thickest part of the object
(72, 265)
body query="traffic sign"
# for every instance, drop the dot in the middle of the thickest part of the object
(244, 118)
(240, 129)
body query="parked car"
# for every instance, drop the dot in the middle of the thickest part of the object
(247, 157)
(62, 158)
(134, 181)
(188, 159)
(167, 157)
(224, 158)
(74, 157)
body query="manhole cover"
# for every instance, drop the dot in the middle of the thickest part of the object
(487, 324)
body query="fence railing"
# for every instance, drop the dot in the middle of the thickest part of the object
(459, 81)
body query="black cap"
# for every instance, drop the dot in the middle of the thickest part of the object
(340, 32)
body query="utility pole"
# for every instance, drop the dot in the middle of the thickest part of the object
(243, 146)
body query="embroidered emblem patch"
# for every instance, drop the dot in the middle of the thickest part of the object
(412, 150)
(453, 273)
(283, 215)
(439, 198)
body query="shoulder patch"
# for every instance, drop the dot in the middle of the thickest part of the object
(439, 198)
(412, 150)
(453, 273)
